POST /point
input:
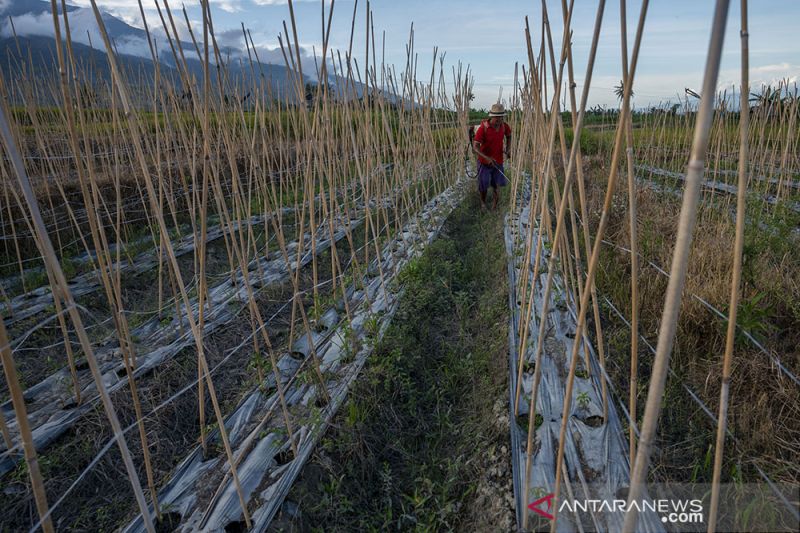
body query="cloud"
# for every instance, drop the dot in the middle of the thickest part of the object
(132, 41)
(772, 75)
(233, 38)
(273, 55)
(83, 26)
(27, 24)
(229, 6)
(777, 68)
(83, 30)
(127, 10)
(775, 75)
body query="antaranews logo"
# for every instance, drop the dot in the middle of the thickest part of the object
(743, 507)
(677, 511)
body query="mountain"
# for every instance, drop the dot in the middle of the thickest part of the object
(36, 7)
(28, 52)
(32, 53)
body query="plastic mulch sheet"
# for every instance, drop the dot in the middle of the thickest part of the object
(201, 490)
(596, 450)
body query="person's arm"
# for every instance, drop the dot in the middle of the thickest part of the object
(508, 141)
(476, 148)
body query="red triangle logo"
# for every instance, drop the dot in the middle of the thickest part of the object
(535, 506)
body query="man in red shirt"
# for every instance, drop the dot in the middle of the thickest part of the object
(488, 144)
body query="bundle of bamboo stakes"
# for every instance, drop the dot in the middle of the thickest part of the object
(141, 227)
(555, 258)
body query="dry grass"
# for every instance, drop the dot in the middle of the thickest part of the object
(764, 403)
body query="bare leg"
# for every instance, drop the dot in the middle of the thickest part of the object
(496, 197)
(483, 199)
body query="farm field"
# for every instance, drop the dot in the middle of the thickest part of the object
(242, 294)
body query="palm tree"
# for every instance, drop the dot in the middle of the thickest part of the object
(767, 99)
(619, 90)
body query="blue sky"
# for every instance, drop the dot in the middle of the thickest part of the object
(489, 36)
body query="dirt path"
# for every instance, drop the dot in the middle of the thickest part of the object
(423, 441)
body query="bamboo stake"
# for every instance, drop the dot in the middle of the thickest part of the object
(582, 336)
(736, 276)
(4, 430)
(585, 217)
(634, 242)
(60, 284)
(165, 236)
(21, 413)
(114, 296)
(559, 227)
(544, 185)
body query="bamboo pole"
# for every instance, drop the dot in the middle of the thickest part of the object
(15, 390)
(543, 216)
(736, 276)
(7, 440)
(556, 237)
(571, 278)
(112, 289)
(55, 268)
(634, 242)
(600, 343)
(201, 252)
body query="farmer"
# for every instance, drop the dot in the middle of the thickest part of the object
(488, 145)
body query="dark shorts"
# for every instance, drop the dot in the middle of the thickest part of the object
(489, 176)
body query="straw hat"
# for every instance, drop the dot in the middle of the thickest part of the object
(497, 110)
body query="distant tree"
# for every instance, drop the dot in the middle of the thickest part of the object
(87, 95)
(597, 110)
(186, 99)
(768, 102)
(619, 90)
(767, 96)
(230, 99)
(310, 89)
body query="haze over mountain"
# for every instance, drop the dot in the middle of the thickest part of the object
(27, 48)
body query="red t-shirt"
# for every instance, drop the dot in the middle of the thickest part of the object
(491, 141)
